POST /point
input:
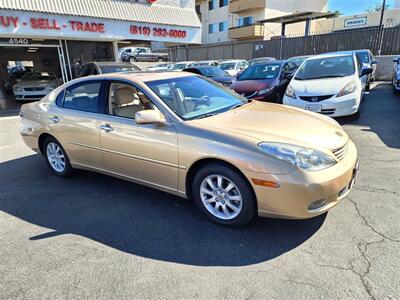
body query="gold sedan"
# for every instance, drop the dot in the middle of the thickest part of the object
(186, 135)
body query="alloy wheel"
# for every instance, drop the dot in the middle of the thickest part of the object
(221, 197)
(56, 157)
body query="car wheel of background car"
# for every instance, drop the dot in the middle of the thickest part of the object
(368, 87)
(132, 60)
(223, 195)
(56, 157)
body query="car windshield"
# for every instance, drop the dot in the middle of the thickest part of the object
(326, 67)
(264, 71)
(260, 61)
(193, 97)
(38, 76)
(298, 60)
(227, 66)
(212, 72)
(180, 66)
(202, 64)
(364, 57)
(118, 69)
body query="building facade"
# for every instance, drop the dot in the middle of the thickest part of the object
(60, 35)
(225, 20)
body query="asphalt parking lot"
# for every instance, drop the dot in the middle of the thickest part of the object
(93, 236)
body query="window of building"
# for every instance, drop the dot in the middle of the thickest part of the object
(246, 21)
(212, 28)
(83, 97)
(223, 26)
(223, 3)
(212, 4)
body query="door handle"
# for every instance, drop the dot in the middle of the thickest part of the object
(54, 119)
(106, 128)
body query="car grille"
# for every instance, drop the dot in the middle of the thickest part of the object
(328, 111)
(341, 152)
(315, 98)
(34, 89)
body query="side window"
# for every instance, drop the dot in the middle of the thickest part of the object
(95, 70)
(60, 99)
(292, 66)
(83, 97)
(359, 63)
(126, 100)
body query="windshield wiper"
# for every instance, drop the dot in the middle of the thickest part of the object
(206, 116)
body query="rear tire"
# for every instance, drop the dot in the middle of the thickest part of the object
(56, 158)
(223, 195)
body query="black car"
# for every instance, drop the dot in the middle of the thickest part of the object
(96, 68)
(213, 73)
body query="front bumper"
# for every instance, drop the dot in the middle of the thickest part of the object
(30, 95)
(301, 189)
(333, 107)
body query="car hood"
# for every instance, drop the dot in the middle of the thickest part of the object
(29, 83)
(323, 86)
(279, 123)
(247, 86)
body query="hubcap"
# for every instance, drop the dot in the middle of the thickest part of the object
(55, 157)
(221, 197)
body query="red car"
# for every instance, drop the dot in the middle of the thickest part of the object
(265, 81)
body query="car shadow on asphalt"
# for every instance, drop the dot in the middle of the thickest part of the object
(380, 111)
(139, 220)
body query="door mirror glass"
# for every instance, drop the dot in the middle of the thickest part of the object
(366, 70)
(149, 116)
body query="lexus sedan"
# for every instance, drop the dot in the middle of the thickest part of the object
(187, 135)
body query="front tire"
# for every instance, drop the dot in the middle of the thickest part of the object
(56, 158)
(223, 195)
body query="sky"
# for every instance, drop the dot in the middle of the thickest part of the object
(352, 7)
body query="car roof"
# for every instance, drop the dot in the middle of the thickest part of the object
(144, 76)
(110, 63)
(332, 54)
(262, 58)
(232, 61)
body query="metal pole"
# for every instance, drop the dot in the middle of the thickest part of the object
(381, 27)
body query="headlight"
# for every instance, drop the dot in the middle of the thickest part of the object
(303, 158)
(348, 89)
(18, 89)
(290, 92)
(264, 91)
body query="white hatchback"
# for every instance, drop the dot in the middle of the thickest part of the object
(331, 84)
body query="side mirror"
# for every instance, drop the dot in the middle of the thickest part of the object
(374, 62)
(289, 76)
(149, 116)
(365, 71)
(396, 60)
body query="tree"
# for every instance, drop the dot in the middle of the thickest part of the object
(377, 7)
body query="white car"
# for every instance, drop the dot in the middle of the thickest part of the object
(233, 67)
(331, 84)
(161, 67)
(182, 65)
(35, 86)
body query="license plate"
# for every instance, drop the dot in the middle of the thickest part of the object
(314, 108)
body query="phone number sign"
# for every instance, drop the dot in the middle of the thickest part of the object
(24, 24)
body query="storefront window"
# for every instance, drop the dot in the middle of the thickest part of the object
(81, 53)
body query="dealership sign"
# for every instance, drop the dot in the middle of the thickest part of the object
(355, 22)
(24, 24)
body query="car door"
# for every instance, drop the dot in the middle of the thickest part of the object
(284, 79)
(146, 153)
(73, 120)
